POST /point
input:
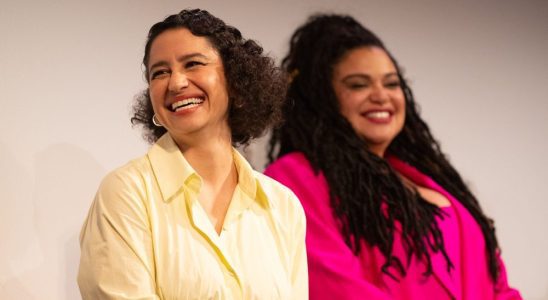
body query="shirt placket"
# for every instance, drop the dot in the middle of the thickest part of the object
(202, 224)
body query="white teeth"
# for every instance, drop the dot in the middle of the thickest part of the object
(378, 115)
(186, 103)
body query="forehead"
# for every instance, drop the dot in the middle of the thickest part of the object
(365, 60)
(178, 42)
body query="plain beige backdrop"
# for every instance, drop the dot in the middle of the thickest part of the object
(69, 71)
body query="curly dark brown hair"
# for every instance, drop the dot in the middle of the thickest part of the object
(360, 181)
(256, 87)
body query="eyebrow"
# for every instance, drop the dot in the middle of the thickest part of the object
(366, 76)
(179, 59)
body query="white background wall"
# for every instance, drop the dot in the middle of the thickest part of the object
(69, 71)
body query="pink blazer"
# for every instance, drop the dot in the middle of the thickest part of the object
(336, 273)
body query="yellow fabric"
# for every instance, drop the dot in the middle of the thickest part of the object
(147, 236)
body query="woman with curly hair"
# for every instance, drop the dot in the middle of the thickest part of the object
(192, 219)
(388, 217)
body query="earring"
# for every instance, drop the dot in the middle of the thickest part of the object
(156, 122)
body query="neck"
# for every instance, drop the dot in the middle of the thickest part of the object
(211, 157)
(378, 150)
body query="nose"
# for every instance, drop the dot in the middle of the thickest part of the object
(379, 94)
(177, 82)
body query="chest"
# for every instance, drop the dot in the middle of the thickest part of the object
(247, 260)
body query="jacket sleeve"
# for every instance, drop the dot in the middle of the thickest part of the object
(116, 248)
(503, 291)
(334, 271)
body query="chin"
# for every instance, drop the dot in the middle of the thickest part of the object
(377, 141)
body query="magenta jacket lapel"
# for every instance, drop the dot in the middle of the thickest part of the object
(439, 264)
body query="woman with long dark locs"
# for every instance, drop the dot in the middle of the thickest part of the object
(388, 217)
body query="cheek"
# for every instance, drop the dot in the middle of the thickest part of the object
(399, 101)
(155, 93)
(349, 104)
(343, 97)
(401, 106)
(220, 88)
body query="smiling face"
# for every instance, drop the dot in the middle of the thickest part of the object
(187, 85)
(370, 96)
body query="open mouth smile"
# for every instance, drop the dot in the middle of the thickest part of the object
(378, 115)
(186, 104)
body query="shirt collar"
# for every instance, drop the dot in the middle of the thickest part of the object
(246, 178)
(172, 171)
(169, 166)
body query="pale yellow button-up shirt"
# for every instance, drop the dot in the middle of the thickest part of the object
(148, 237)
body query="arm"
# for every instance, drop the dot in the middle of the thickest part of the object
(116, 247)
(299, 274)
(503, 291)
(334, 271)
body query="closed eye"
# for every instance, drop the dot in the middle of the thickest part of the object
(357, 86)
(393, 84)
(193, 63)
(159, 74)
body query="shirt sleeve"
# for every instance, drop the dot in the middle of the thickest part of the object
(299, 274)
(116, 247)
(334, 271)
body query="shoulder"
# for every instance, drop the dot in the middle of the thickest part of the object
(125, 186)
(278, 195)
(129, 174)
(290, 160)
(284, 210)
(290, 167)
(295, 172)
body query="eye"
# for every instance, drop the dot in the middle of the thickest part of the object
(193, 63)
(159, 74)
(357, 85)
(393, 84)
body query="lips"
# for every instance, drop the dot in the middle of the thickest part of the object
(186, 103)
